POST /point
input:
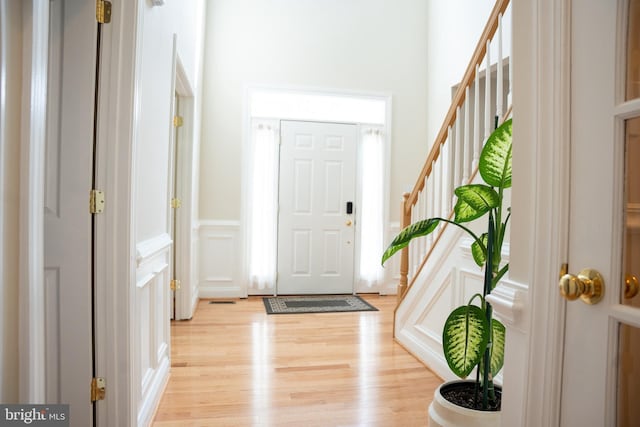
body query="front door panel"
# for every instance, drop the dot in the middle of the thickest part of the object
(315, 231)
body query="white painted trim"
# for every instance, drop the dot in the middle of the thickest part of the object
(508, 302)
(136, 398)
(148, 249)
(219, 291)
(33, 130)
(541, 110)
(116, 250)
(155, 383)
(218, 224)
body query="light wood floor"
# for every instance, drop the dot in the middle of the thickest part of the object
(234, 365)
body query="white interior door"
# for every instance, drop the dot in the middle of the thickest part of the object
(316, 219)
(67, 220)
(176, 203)
(601, 372)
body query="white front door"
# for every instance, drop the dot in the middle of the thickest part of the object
(68, 224)
(601, 372)
(316, 220)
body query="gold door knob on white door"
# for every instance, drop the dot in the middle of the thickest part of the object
(588, 285)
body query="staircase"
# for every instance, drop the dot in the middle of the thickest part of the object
(437, 272)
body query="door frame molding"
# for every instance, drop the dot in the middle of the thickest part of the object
(246, 170)
(35, 54)
(118, 115)
(185, 176)
(539, 235)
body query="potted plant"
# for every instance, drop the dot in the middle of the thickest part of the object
(471, 337)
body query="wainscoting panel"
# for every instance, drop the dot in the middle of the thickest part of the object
(220, 259)
(153, 338)
(448, 280)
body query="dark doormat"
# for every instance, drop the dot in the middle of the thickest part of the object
(316, 304)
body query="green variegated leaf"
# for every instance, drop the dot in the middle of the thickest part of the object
(474, 200)
(480, 252)
(495, 159)
(464, 339)
(417, 229)
(497, 349)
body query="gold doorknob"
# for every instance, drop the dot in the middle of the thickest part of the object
(588, 285)
(348, 223)
(631, 286)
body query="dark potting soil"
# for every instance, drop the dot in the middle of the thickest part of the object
(463, 394)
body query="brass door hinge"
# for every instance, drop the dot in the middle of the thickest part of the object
(103, 11)
(98, 389)
(176, 203)
(174, 285)
(96, 201)
(177, 121)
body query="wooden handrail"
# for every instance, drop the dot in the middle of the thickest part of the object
(459, 97)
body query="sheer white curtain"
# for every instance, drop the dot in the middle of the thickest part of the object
(263, 205)
(371, 209)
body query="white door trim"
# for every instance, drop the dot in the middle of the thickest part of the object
(33, 129)
(533, 362)
(116, 252)
(185, 178)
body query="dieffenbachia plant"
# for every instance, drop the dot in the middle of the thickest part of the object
(471, 337)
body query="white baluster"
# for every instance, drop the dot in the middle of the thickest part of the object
(487, 95)
(423, 214)
(459, 149)
(466, 143)
(509, 99)
(432, 197)
(429, 198)
(440, 186)
(437, 205)
(476, 120)
(451, 166)
(414, 246)
(499, 89)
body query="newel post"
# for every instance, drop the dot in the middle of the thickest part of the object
(404, 253)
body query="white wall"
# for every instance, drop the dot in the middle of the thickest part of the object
(10, 95)
(157, 27)
(363, 45)
(453, 30)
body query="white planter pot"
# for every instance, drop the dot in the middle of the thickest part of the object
(443, 413)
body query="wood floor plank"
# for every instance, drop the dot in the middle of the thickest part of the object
(234, 365)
